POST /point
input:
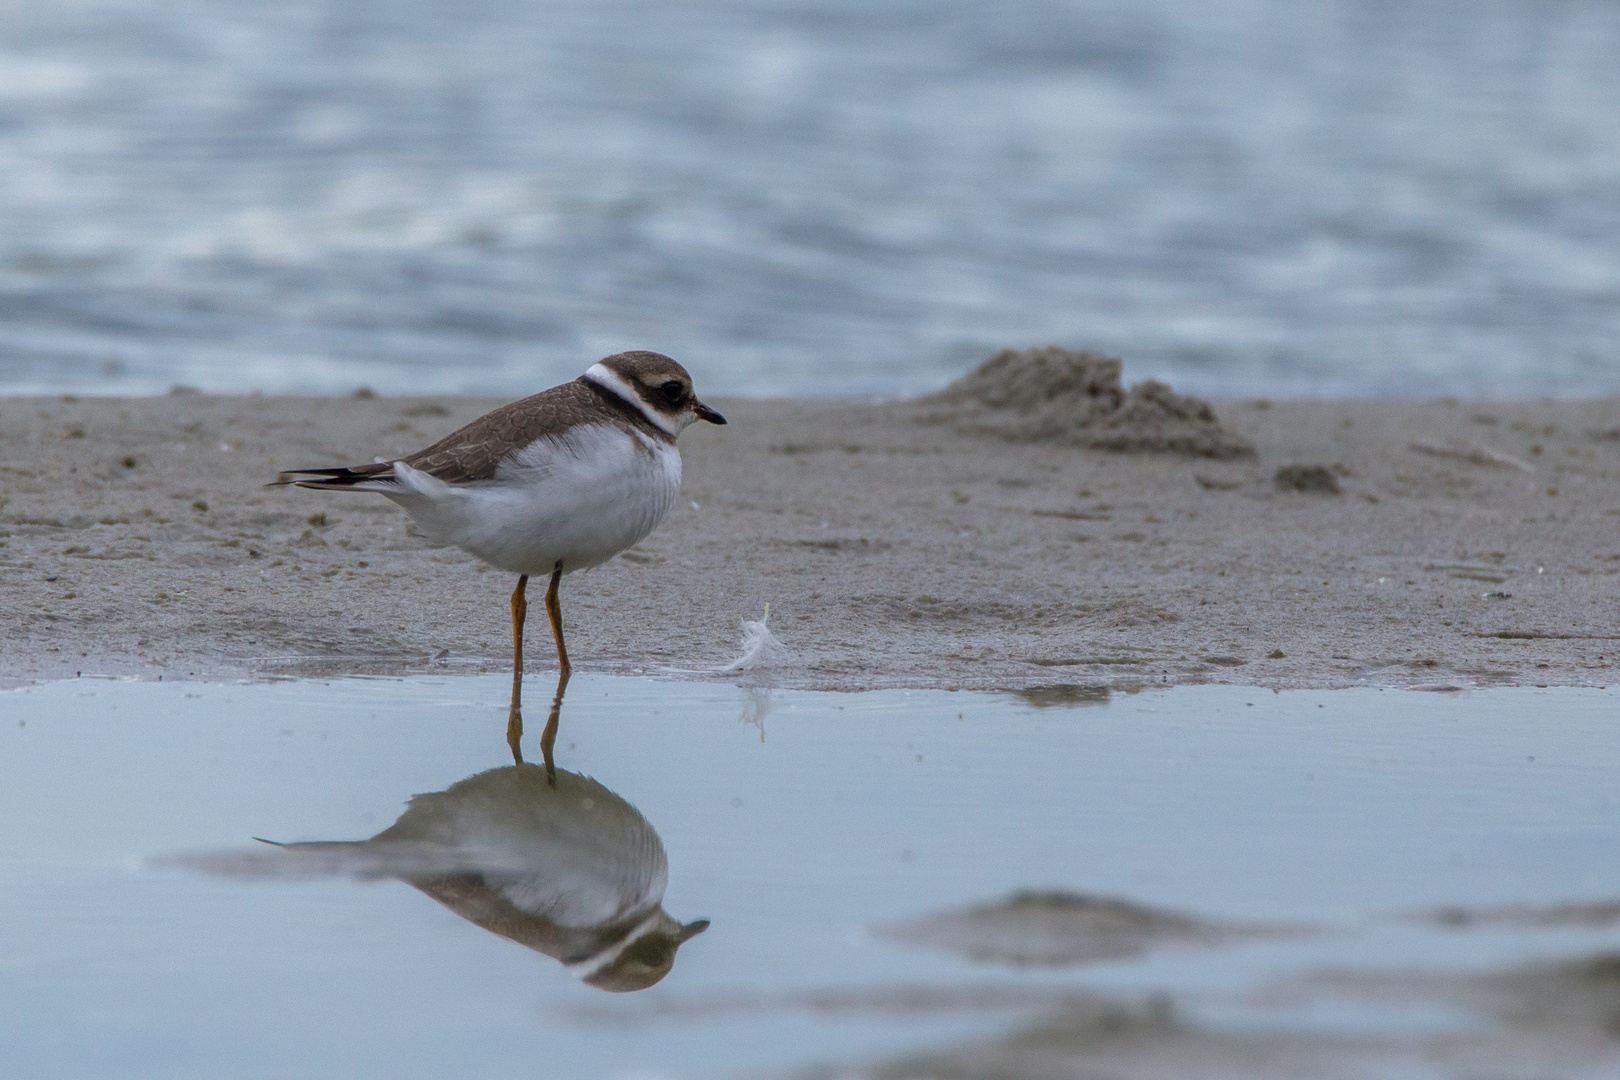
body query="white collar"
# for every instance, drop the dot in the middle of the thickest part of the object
(609, 380)
(594, 965)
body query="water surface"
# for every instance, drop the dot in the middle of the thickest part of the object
(796, 822)
(809, 196)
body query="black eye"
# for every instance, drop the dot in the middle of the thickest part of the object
(672, 391)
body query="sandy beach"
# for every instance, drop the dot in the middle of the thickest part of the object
(1468, 544)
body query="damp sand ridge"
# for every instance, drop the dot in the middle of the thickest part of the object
(1466, 544)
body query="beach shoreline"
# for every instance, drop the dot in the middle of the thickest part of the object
(1469, 544)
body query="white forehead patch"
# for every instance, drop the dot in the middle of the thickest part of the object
(608, 380)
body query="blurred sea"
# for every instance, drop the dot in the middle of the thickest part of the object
(809, 196)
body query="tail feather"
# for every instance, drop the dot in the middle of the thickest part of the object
(381, 474)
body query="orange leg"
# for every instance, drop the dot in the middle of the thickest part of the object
(520, 613)
(514, 734)
(548, 738)
(514, 716)
(556, 619)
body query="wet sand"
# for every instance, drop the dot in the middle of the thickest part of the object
(1547, 1017)
(1542, 1018)
(1550, 1020)
(137, 539)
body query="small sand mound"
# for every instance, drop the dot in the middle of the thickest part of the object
(1053, 928)
(1053, 395)
(1311, 479)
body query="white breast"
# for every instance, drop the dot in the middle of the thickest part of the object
(578, 499)
(574, 853)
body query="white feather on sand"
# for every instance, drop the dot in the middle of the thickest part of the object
(760, 647)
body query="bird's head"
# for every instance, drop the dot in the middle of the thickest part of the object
(654, 384)
(645, 957)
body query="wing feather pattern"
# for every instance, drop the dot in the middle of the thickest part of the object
(474, 453)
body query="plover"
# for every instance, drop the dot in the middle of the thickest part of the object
(556, 862)
(557, 482)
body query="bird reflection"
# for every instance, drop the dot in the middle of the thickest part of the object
(541, 856)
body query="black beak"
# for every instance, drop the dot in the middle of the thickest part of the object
(703, 412)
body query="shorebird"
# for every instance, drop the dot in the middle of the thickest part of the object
(552, 861)
(557, 482)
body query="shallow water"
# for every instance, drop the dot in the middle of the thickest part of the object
(146, 934)
(809, 196)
